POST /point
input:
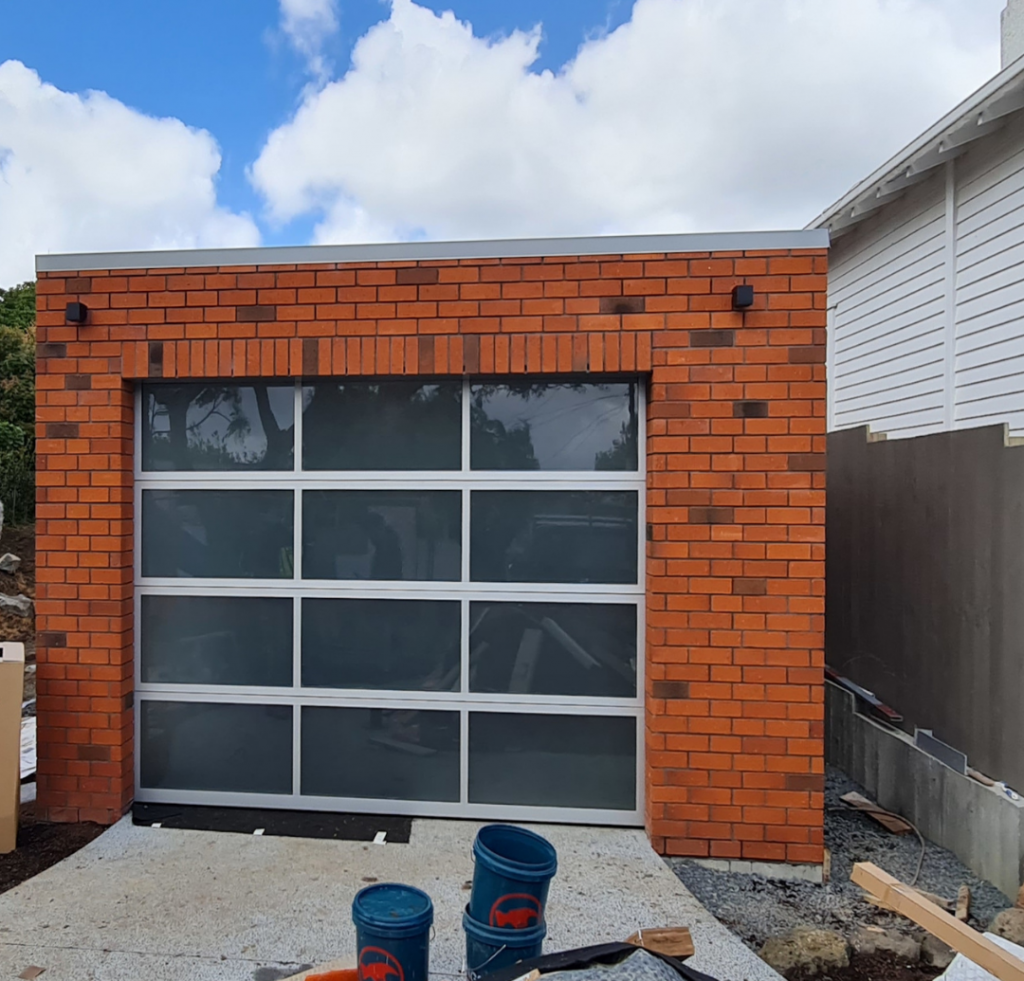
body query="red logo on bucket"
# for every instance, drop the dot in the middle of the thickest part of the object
(516, 910)
(378, 965)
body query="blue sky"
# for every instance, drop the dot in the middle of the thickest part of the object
(187, 123)
(224, 66)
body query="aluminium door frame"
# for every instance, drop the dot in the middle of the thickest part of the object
(464, 591)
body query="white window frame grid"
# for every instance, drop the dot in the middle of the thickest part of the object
(464, 591)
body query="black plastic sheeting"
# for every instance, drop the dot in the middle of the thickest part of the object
(584, 957)
(287, 824)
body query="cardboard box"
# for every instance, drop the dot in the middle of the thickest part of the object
(12, 690)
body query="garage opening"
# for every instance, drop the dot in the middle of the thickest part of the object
(410, 597)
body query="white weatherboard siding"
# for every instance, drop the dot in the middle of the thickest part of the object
(887, 288)
(912, 354)
(990, 283)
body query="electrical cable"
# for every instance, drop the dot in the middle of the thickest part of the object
(882, 811)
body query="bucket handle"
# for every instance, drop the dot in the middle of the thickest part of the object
(475, 974)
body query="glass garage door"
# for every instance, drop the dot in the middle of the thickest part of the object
(397, 597)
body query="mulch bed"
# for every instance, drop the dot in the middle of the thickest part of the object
(877, 967)
(42, 844)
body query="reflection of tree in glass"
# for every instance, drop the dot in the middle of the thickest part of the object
(394, 425)
(497, 446)
(623, 452)
(184, 440)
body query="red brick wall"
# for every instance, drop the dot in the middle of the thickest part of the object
(735, 458)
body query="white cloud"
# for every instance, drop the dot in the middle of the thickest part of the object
(692, 115)
(307, 24)
(86, 173)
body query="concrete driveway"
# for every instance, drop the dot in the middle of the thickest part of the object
(170, 905)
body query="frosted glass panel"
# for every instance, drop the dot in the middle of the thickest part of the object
(408, 645)
(210, 746)
(553, 649)
(378, 534)
(217, 640)
(552, 760)
(554, 536)
(380, 753)
(223, 534)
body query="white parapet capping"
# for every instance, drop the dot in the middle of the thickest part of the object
(425, 251)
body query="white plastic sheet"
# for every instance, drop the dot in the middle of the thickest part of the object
(964, 970)
(28, 746)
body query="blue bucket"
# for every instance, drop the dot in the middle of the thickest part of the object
(513, 872)
(491, 948)
(392, 932)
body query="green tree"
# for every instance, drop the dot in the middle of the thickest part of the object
(18, 306)
(17, 402)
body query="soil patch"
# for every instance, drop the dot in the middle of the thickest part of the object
(21, 542)
(42, 844)
(877, 967)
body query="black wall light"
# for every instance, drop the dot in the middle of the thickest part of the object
(76, 313)
(742, 297)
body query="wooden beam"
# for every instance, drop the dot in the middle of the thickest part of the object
(906, 901)
(673, 941)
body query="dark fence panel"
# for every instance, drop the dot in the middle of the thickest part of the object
(925, 584)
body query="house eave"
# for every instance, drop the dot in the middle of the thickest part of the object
(982, 113)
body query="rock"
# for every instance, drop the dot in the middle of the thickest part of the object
(870, 941)
(806, 950)
(1009, 924)
(963, 904)
(9, 563)
(940, 901)
(21, 605)
(935, 953)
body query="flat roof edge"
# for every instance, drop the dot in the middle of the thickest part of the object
(417, 251)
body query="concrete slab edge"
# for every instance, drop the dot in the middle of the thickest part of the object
(979, 824)
(769, 870)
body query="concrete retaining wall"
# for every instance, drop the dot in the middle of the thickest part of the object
(980, 825)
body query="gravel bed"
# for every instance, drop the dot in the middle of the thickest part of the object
(756, 908)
